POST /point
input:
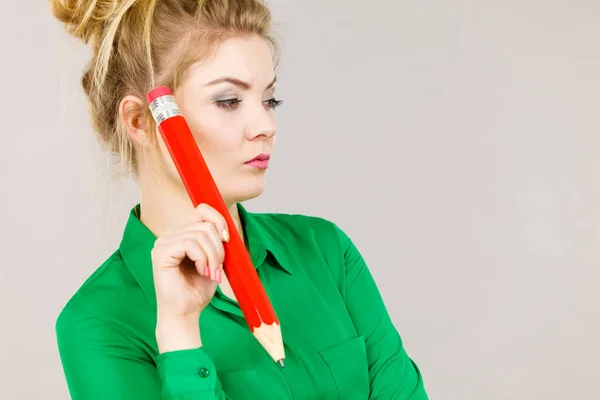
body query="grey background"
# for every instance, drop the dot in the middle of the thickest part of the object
(457, 143)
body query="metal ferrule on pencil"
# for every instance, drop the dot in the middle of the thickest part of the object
(164, 107)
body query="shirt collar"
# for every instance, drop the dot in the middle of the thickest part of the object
(263, 239)
(138, 241)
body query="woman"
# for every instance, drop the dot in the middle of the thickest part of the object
(145, 327)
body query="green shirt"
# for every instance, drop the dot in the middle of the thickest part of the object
(339, 340)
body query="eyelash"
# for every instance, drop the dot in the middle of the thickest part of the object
(232, 104)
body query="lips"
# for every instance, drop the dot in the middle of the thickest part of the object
(261, 157)
(261, 161)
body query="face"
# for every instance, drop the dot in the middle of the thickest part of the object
(228, 102)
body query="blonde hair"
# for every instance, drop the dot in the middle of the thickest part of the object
(141, 44)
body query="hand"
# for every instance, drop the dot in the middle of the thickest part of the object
(187, 265)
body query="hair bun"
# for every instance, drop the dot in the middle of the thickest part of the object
(85, 19)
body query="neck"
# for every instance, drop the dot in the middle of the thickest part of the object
(167, 206)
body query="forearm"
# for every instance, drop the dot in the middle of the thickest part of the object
(174, 334)
(184, 369)
(393, 375)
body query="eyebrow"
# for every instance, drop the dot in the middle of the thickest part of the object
(242, 84)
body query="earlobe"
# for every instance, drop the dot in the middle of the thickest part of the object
(131, 115)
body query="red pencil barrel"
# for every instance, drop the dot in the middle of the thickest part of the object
(201, 188)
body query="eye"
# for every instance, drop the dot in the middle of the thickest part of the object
(272, 103)
(228, 104)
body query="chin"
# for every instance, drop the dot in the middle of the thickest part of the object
(247, 189)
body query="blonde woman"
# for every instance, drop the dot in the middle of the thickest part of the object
(145, 326)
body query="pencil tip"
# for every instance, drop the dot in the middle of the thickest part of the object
(281, 364)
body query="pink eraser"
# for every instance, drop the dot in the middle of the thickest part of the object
(157, 92)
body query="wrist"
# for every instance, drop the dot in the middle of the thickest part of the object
(177, 333)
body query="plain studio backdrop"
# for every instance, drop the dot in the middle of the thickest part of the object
(457, 142)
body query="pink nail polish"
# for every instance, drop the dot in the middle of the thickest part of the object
(219, 276)
(207, 271)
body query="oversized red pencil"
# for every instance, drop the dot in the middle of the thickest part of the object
(201, 188)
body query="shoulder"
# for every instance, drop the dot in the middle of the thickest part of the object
(312, 241)
(302, 227)
(107, 278)
(106, 303)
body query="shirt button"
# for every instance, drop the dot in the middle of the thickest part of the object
(204, 372)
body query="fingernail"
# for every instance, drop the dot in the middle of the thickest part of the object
(225, 235)
(207, 271)
(219, 276)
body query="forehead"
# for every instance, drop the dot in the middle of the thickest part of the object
(246, 58)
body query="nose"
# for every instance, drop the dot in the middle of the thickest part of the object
(261, 123)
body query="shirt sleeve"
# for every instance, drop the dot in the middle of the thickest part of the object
(392, 374)
(101, 363)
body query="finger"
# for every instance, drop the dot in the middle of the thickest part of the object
(204, 212)
(208, 247)
(171, 255)
(217, 242)
(184, 232)
(201, 228)
(197, 255)
(197, 260)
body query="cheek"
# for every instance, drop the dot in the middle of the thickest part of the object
(216, 131)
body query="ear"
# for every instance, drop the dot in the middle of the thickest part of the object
(132, 118)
